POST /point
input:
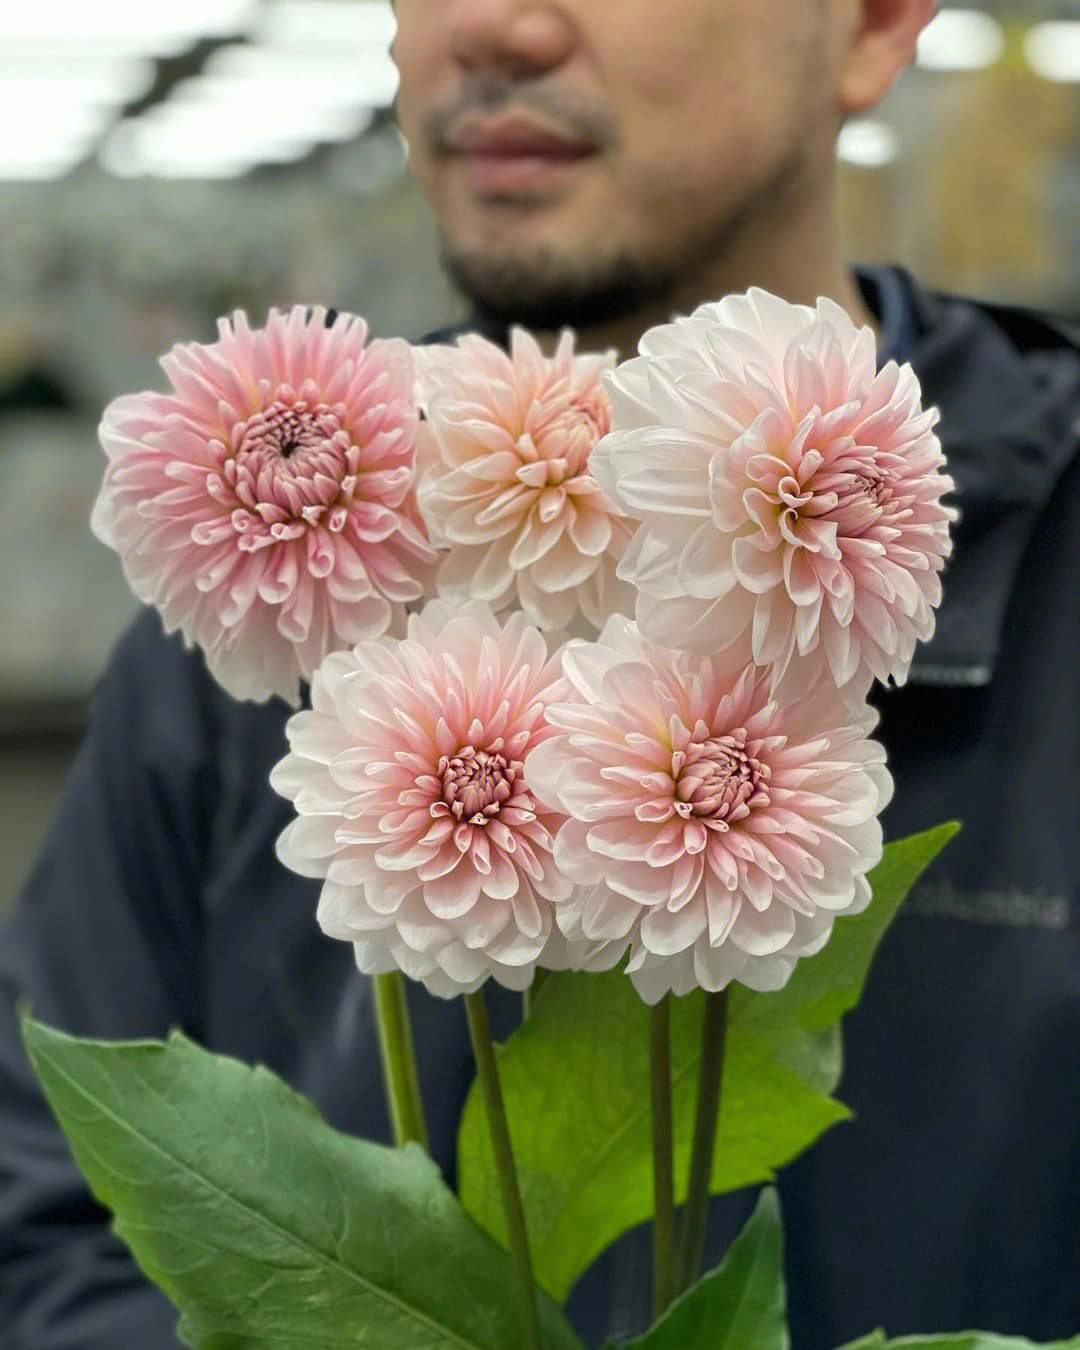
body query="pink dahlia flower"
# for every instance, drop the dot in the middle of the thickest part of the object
(713, 830)
(506, 481)
(790, 492)
(266, 505)
(413, 801)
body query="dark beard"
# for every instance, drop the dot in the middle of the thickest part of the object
(543, 292)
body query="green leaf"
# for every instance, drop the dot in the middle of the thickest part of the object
(964, 1340)
(741, 1305)
(575, 1078)
(265, 1226)
(824, 987)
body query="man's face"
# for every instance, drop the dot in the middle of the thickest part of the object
(584, 155)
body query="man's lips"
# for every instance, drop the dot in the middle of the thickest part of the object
(513, 155)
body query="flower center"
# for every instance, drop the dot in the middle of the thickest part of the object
(476, 783)
(292, 467)
(862, 487)
(287, 431)
(565, 433)
(718, 779)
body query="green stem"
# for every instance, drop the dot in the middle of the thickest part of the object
(528, 998)
(695, 1215)
(663, 1158)
(400, 1078)
(488, 1073)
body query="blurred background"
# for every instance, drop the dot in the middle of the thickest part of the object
(164, 163)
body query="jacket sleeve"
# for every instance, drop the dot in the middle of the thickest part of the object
(104, 942)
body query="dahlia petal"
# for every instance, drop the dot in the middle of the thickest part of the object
(421, 934)
(664, 932)
(762, 934)
(714, 968)
(514, 435)
(696, 624)
(607, 916)
(548, 610)
(766, 974)
(407, 776)
(722, 907)
(259, 435)
(591, 530)
(503, 882)
(464, 967)
(563, 567)
(653, 469)
(809, 451)
(639, 881)
(652, 982)
(755, 565)
(744, 864)
(306, 844)
(841, 651)
(801, 578)
(528, 916)
(703, 568)
(373, 958)
(621, 839)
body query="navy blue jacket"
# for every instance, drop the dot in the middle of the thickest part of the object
(952, 1201)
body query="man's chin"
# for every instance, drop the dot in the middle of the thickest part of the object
(543, 291)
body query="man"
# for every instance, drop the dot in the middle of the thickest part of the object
(604, 165)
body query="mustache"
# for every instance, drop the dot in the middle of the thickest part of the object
(561, 110)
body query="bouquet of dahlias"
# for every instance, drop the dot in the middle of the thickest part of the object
(583, 652)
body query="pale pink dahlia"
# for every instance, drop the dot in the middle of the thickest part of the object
(790, 492)
(506, 483)
(413, 801)
(712, 829)
(266, 505)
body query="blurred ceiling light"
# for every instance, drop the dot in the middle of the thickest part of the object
(359, 24)
(44, 147)
(301, 96)
(347, 76)
(960, 39)
(31, 169)
(128, 152)
(210, 108)
(64, 52)
(30, 126)
(199, 141)
(867, 143)
(1052, 50)
(120, 165)
(157, 26)
(76, 78)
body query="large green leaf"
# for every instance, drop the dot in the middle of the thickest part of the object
(741, 1305)
(964, 1340)
(576, 1082)
(575, 1078)
(265, 1226)
(830, 984)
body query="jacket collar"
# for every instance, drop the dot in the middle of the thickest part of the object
(1007, 383)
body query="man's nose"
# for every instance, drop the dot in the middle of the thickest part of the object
(515, 38)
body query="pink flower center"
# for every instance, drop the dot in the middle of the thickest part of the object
(305, 437)
(716, 778)
(477, 783)
(565, 433)
(829, 495)
(855, 491)
(293, 466)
